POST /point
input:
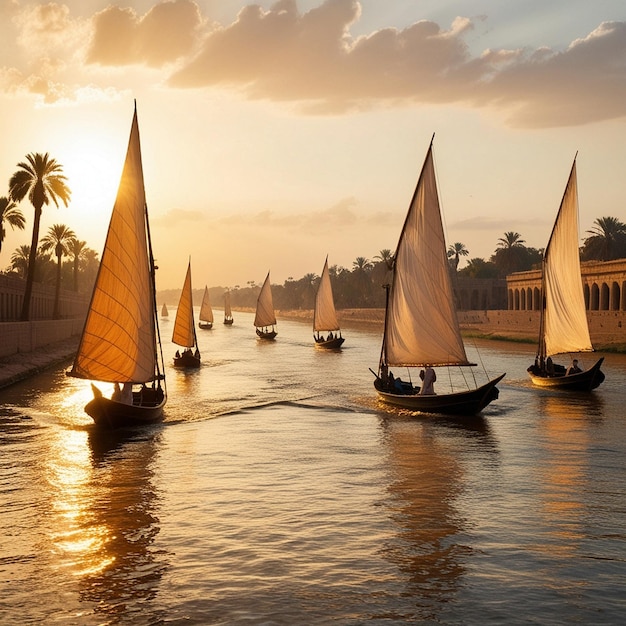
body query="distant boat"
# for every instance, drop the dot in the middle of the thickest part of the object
(164, 311)
(206, 312)
(325, 316)
(120, 342)
(563, 326)
(228, 315)
(265, 317)
(421, 325)
(184, 333)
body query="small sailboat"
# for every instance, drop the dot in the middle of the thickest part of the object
(325, 316)
(120, 342)
(184, 333)
(228, 314)
(265, 318)
(563, 326)
(206, 312)
(421, 325)
(164, 311)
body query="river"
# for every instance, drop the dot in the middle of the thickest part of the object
(279, 491)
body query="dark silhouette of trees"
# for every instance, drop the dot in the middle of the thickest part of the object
(41, 179)
(456, 250)
(58, 239)
(606, 240)
(12, 215)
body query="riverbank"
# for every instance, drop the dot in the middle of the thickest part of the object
(26, 364)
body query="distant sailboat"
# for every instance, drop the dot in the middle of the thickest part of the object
(265, 316)
(120, 342)
(228, 315)
(563, 327)
(164, 311)
(184, 333)
(206, 312)
(325, 316)
(421, 325)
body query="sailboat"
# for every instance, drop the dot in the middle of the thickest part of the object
(120, 342)
(164, 311)
(421, 325)
(184, 333)
(228, 314)
(325, 316)
(265, 317)
(563, 326)
(206, 312)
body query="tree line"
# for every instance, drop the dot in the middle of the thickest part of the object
(40, 179)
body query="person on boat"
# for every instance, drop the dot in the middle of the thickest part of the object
(126, 396)
(429, 381)
(549, 366)
(573, 368)
(330, 336)
(177, 355)
(117, 393)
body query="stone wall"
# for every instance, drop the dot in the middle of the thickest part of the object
(18, 337)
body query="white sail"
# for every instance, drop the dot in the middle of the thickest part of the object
(265, 306)
(118, 343)
(206, 312)
(227, 312)
(564, 323)
(325, 316)
(184, 333)
(421, 325)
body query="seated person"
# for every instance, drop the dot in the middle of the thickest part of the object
(573, 368)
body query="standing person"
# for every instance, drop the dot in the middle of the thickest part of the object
(429, 380)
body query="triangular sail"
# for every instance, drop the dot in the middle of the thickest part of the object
(325, 316)
(206, 312)
(421, 325)
(164, 311)
(564, 323)
(184, 333)
(118, 343)
(265, 306)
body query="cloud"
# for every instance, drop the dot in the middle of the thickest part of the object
(167, 32)
(176, 217)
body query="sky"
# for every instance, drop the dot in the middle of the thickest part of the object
(277, 133)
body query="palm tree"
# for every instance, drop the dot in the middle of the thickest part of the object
(385, 256)
(456, 250)
(606, 241)
(12, 215)
(76, 249)
(40, 178)
(19, 260)
(58, 239)
(511, 254)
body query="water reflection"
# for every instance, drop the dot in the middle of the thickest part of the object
(105, 519)
(426, 480)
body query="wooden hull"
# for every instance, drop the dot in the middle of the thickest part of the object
(266, 335)
(206, 325)
(333, 344)
(463, 403)
(108, 413)
(584, 381)
(228, 321)
(187, 360)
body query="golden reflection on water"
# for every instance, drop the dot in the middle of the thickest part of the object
(564, 434)
(80, 543)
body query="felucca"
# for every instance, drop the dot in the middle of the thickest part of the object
(120, 342)
(206, 312)
(228, 314)
(184, 333)
(265, 316)
(421, 326)
(563, 326)
(325, 316)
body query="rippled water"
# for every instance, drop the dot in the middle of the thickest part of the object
(278, 491)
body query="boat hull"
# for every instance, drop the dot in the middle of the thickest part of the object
(462, 403)
(584, 381)
(206, 325)
(228, 321)
(187, 360)
(108, 413)
(332, 344)
(266, 335)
